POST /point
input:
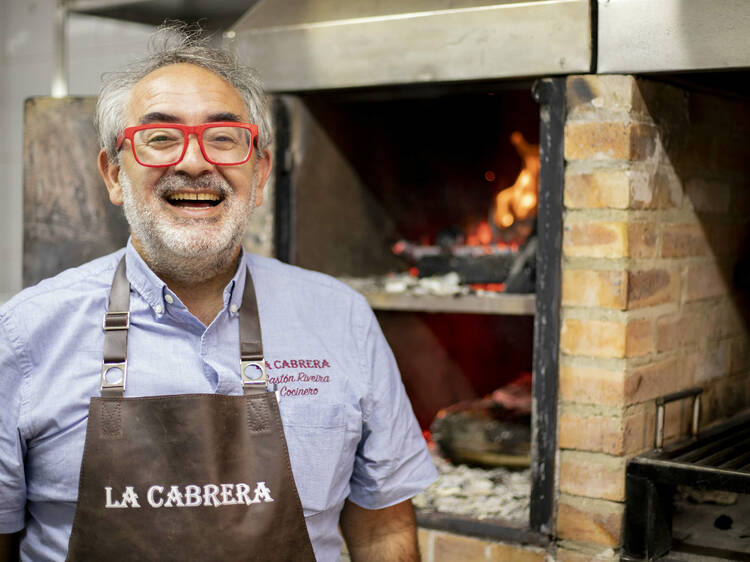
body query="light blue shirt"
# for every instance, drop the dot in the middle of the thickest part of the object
(347, 420)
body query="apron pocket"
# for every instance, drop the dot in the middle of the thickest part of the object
(322, 446)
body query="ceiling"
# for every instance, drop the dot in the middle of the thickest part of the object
(209, 13)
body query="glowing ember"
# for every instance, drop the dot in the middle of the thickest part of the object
(490, 287)
(519, 201)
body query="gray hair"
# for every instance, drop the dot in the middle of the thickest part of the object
(175, 43)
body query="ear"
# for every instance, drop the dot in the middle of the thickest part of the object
(110, 172)
(263, 170)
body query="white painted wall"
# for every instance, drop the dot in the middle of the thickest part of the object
(95, 45)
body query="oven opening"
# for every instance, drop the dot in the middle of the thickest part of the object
(424, 199)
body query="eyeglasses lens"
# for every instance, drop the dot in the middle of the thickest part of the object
(164, 145)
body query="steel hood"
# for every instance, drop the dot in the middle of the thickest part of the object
(673, 35)
(320, 44)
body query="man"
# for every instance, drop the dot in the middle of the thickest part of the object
(204, 467)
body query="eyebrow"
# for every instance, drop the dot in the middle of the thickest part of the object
(159, 117)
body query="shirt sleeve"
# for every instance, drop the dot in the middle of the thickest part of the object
(392, 463)
(12, 477)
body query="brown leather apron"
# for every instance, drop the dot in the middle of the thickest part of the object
(186, 477)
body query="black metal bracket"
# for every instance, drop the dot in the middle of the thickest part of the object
(550, 93)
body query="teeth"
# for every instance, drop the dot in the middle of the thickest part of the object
(194, 197)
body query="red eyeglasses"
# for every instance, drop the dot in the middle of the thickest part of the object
(159, 145)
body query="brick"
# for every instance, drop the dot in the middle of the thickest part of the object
(704, 281)
(586, 385)
(723, 320)
(639, 338)
(713, 362)
(725, 239)
(600, 189)
(587, 94)
(740, 358)
(661, 189)
(591, 433)
(506, 553)
(605, 289)
(675, 331)
(595, 239)
(649, 381)
(592, 338)
(583, 554)
(613, 435)
(643, 240)
(695, 154)
(590, 520)
(676, 420)
(449, 548)
(651, 287)
(638, 429)
(723, 398)
(608, 141)
(592, 475)
(731, 156)
(665, 104)
(708, 196)
(684, 240)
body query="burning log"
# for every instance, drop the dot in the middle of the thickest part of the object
(494, 431)
(475, 264)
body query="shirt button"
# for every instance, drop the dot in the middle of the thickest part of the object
(169, 299)
(159, 309)
(233, 309)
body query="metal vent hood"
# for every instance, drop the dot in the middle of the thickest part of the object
(321, 44)
(638, 36)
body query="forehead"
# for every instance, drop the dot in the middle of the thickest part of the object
(188, 92)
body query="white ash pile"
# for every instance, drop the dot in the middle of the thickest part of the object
(404, 283)
(496, 493)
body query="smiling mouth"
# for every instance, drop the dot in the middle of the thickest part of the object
(192, 199)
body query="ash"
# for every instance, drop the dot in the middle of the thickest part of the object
(441, 285)
(496, 493)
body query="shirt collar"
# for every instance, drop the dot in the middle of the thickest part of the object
(156, 293)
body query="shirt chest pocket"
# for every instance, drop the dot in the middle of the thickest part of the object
(322, 440)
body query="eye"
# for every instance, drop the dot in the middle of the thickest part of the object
(157, 138)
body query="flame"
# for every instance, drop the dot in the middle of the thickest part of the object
(519, 201)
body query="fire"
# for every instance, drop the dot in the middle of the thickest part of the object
(519, 201)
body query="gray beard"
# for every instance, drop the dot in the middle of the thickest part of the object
(183, 249)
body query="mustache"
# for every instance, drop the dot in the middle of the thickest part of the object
(168, 185)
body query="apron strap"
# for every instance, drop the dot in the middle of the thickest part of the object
(117, 322)
(252, 364)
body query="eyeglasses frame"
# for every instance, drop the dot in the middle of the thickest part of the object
(187, 130)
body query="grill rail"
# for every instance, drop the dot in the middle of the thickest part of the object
(716, 459)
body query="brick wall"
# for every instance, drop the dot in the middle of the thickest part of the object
(656, 203)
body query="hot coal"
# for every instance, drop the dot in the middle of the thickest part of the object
(475, 264)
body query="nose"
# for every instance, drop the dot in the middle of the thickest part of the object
(193, 163)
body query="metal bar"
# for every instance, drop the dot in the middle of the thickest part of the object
(301, 46)
(283, 223)
(739, 463)
(490, 529)
(550, 93)
(687, 393)
(662, 401)
(59, 87)
(669, 472)
(726, 453)
(648, 518)
(705, 447)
